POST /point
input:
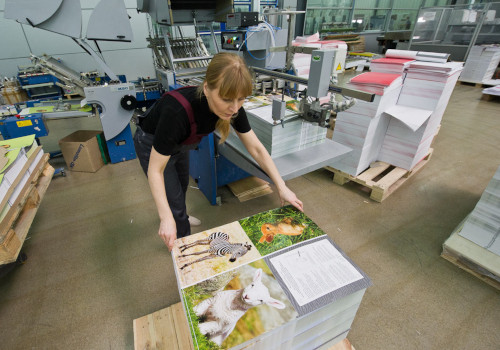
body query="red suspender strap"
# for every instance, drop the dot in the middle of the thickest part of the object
(189, 110)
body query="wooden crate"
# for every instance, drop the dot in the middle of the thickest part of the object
(167, 329)
(15, 225)
(381, 178)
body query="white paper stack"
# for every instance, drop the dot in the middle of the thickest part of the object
(19, 163)
(427, 88)
(483, 224)
(292, 289)
(363, 126)
(390, 65)
(295, 134)
(495, 91)
(481, 64)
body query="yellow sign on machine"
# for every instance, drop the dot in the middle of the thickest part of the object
(22, 123)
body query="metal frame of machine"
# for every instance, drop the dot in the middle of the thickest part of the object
(115, 100)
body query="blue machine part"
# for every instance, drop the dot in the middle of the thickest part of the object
(106, 79)
(174, 86)
(150, 95)
(38, 84)
(12, 127)
(210, 170)
(38, 78)
(121, 147)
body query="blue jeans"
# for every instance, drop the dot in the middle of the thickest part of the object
(176, 177)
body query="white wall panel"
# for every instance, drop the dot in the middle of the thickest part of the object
(42, 41)
(12, 41)
(133, 59)
(133, 63)
(140, 32)
(9, 66)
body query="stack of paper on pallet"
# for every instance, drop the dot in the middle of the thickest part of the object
(291, 136)
(481, 64)
(426, 91)
(494, 91)
(483, 224)
(18, 159)
(389, 65)
(274, 280)
(363, 126)
(376, 83)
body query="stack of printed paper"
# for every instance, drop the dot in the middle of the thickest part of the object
(483, 224)
(363, 126)
(389, 65)
(427, 88)
(274, 280)
(18, 159)
(286, 137)
(481, 64)
(495, 91)
(375, 82)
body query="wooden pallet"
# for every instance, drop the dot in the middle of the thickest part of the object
(167, 329)
(71, 96)
(476, 84)
(465, 264)
(15, 225)
(488, 97)
(472, 258)
(380, 178)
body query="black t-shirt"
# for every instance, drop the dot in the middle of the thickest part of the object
(169, 122)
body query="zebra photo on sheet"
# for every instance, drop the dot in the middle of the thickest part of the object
(219, 247)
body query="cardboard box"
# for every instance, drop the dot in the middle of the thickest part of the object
(81, 151)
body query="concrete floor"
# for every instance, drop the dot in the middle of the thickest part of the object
(95, 262)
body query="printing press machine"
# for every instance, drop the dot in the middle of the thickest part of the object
(115, 100)
(212, 164)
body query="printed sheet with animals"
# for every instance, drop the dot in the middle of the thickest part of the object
(273, 279)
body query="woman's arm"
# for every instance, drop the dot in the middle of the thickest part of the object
(262, 157)
(168, 228)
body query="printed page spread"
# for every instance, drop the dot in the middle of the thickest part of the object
(250, 280)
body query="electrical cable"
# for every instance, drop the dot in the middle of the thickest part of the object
(259, 28)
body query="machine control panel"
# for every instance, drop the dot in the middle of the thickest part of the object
(233, 40)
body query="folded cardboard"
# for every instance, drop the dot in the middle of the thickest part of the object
(81, 151)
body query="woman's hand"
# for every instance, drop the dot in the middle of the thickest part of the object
(168, 232)
(286, 195)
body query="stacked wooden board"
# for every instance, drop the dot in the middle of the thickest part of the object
(288, 284)
(167, 329)
(249, 188)
(24, 178)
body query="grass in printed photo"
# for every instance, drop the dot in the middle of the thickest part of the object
(279, 228)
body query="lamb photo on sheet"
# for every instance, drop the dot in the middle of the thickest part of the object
(236, 306)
